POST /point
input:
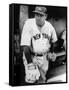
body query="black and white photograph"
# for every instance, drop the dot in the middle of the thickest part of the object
(37, 44)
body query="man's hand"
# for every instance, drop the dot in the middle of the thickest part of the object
(52, 56)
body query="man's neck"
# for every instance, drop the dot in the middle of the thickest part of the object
(40, 25)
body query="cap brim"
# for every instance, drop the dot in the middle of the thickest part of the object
(37, 12)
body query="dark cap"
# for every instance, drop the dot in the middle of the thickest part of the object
(40, 10)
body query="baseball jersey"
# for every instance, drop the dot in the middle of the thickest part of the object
(40, 36)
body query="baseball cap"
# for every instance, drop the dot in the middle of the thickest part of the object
(40, 10)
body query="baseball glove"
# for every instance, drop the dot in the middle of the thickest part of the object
(31, 73)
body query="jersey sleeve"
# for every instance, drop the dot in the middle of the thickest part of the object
(64, 35)
(26, 35)
(54, 35)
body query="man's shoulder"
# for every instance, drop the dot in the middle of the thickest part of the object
(48, 23)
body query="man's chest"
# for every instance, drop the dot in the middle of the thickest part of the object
(43, 33)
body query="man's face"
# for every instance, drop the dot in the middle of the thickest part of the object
(40, 19)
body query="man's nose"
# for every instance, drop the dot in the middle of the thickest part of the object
(39, 16)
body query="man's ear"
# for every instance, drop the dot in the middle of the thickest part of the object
(46, 16)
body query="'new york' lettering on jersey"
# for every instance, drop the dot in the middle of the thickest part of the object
(44, 35)
(40, 38)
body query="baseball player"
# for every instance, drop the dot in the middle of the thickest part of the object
(35, 40)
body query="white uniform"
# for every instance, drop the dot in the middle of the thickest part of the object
(40, 40)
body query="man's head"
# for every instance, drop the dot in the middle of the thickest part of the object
(40, 15)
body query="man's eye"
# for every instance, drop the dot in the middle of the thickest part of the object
(39, 15)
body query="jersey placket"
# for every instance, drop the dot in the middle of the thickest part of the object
(41, 40)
